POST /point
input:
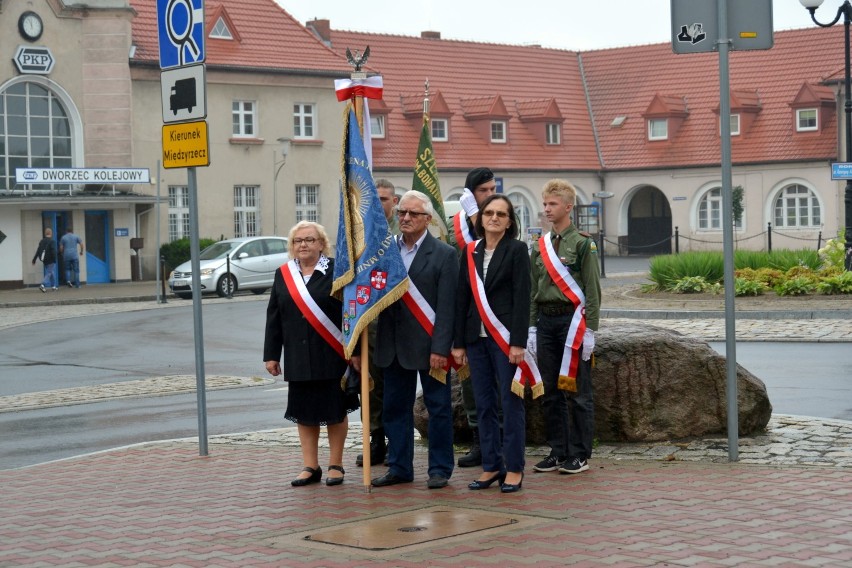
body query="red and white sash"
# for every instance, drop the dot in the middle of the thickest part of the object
(461, 230)
(527, 371)
(569, 287)
(309, 308)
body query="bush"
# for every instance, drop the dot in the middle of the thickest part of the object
(795, 287)
(801, 272)
(745, 287)
(177, 252)
(690, 285)
(666, 270)
(839, 284)
(834, 251)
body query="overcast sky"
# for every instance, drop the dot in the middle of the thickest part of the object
(568, 24)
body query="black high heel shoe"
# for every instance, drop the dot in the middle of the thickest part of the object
(315, 477)
(512, 487)
(335, 480)
(501, 475)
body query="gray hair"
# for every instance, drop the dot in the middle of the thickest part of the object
(420, 196)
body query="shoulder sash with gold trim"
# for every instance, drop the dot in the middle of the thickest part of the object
(461, 230)
(526, 372)
(569, 287)
(425, 316)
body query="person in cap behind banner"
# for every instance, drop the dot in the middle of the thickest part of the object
(301, 318)
(405, 348)
(378, 445)
(568, 263)
(501, 264)
(478, 186)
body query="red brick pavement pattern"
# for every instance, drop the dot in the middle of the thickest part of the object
(163, 505)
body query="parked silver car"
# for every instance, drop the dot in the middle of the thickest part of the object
(253, 262)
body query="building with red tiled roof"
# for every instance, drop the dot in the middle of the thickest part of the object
(638, 124)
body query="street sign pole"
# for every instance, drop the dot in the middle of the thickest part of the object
(200, 381)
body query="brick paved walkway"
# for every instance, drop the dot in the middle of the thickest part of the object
(163, 505)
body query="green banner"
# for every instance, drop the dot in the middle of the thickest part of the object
(426, 179)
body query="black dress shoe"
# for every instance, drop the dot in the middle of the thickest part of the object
(315, 477)
(437, 482)
(335, 480)
(512, 487)
(389, 479)
(498, 477)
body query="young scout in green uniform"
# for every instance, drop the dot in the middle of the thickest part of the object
(568, 399)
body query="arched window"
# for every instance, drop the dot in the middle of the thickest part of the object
(34, 132)
(797, 206)
(710, 211)
(523, 210)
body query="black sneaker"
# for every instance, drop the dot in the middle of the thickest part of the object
(575, 466)
(550, 463)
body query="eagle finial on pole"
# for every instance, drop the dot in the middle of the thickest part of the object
(359, 59)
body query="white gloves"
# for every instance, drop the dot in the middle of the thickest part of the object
(468, 203)
(532, 342)
(588, 344)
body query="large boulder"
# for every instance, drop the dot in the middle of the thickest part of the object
(651, 384)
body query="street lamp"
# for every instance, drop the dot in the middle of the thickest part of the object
(276, 169)
(845, 10)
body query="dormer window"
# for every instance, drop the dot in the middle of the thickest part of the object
(440, 132)
(806, 120)
(377, 126)
(735, 125)
(658, 129)
(498, 131)
(553, 133)
(220, 30)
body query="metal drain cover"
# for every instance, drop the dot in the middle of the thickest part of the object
(412, 527)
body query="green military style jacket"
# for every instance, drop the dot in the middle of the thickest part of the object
(579, 253)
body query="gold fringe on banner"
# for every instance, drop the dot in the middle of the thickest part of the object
(518, 389)
(439, 375)
(538, 390)
(463, 372)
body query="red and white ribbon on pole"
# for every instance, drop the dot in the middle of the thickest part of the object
(527, 370)
(369, 88)
(569, 287)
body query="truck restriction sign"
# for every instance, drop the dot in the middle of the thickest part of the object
(184, 95)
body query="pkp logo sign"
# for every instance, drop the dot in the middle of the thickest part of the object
(34, 60)
(181, 32)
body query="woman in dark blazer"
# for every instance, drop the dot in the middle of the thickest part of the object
(502, 263)
(313, 367)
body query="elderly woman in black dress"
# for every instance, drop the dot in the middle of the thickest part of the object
(304, 320)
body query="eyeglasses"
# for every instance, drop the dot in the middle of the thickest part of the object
(401, 213)
(500, 214)
(306, 240)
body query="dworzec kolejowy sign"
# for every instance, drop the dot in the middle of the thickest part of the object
(81, 175)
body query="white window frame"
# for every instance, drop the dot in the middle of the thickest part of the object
(439, 125)
(304, 121)
(553, 133)
(220, 30)
(246, 211)
(807, 127)
(499, 132)
(735, 125)
(709, 212)
(244, 119)
(377, 126)
(307, 202)
(654, 133)
(178, 212)
(796, 207)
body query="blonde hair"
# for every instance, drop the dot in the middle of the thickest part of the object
(323, 237)
(560, 188)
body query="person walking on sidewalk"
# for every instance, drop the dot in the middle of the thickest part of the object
(565, 299)
(70, 257)
(492, 308)
(478, 185)
(414, 338)
(46, 251)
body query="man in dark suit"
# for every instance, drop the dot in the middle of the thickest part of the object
(404, 348)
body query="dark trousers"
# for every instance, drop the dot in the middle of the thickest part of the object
(398, 412)
(72, 271)
(569, 417)
(487, 362)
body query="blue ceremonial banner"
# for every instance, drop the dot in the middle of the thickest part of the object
(368, 267)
